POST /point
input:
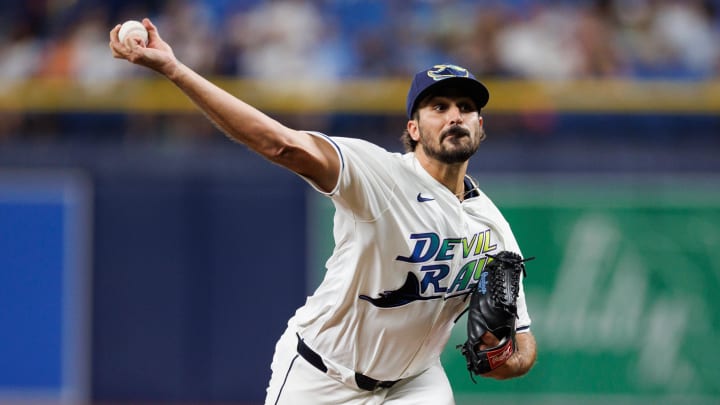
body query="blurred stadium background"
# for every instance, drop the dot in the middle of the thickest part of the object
(145, 259)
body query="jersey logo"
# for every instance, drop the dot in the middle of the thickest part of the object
(420, 198)
(409, 292)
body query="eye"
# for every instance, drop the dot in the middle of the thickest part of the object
(467, 107)
(439, 106)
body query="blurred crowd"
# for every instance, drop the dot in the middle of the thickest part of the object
(675, 39)
(331, 40)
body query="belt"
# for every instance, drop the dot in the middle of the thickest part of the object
(363, 382)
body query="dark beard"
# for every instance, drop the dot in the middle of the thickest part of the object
(456, 155)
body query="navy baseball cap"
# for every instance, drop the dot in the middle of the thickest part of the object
(429, 78)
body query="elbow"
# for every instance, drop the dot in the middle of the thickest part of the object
(274, 144)
(281, 153)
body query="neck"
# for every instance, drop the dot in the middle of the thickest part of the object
(451, 175)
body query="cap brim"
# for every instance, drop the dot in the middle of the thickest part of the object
(474, 89)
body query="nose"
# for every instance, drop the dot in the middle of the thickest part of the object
(455, 114)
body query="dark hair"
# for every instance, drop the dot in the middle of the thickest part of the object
(408, 143)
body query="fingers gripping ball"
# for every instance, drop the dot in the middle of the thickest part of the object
(493, 308)
(131, 29)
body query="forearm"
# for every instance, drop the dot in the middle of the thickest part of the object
(237, 119)
(520, 362)
(300, 152)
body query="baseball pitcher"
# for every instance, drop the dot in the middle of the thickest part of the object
(417, 245)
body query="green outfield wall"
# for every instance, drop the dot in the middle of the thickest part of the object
(623, 293)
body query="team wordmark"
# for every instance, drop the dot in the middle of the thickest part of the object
(429, 247)
(434, 253)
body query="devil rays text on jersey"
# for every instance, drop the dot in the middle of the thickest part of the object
(434, 254)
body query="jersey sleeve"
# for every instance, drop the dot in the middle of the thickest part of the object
(524, 321)
(511, 244)
(342, 163)
(366, 182)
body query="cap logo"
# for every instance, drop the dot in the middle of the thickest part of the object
(440, 72)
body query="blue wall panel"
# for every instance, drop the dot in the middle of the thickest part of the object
(44, 256)
(195, 276)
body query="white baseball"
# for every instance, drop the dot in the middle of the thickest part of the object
(133, 28)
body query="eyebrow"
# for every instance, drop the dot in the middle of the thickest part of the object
(459, 98)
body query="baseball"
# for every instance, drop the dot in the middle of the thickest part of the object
(133, 28)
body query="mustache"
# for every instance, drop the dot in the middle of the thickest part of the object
(455, 130)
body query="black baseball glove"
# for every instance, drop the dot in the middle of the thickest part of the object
(493, 308)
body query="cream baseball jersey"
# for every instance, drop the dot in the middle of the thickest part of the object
(407, 254)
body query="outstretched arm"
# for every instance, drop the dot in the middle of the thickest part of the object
(298, 151)
(520, 362)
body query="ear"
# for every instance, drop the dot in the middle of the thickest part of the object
(480, 119)
(413, 130)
